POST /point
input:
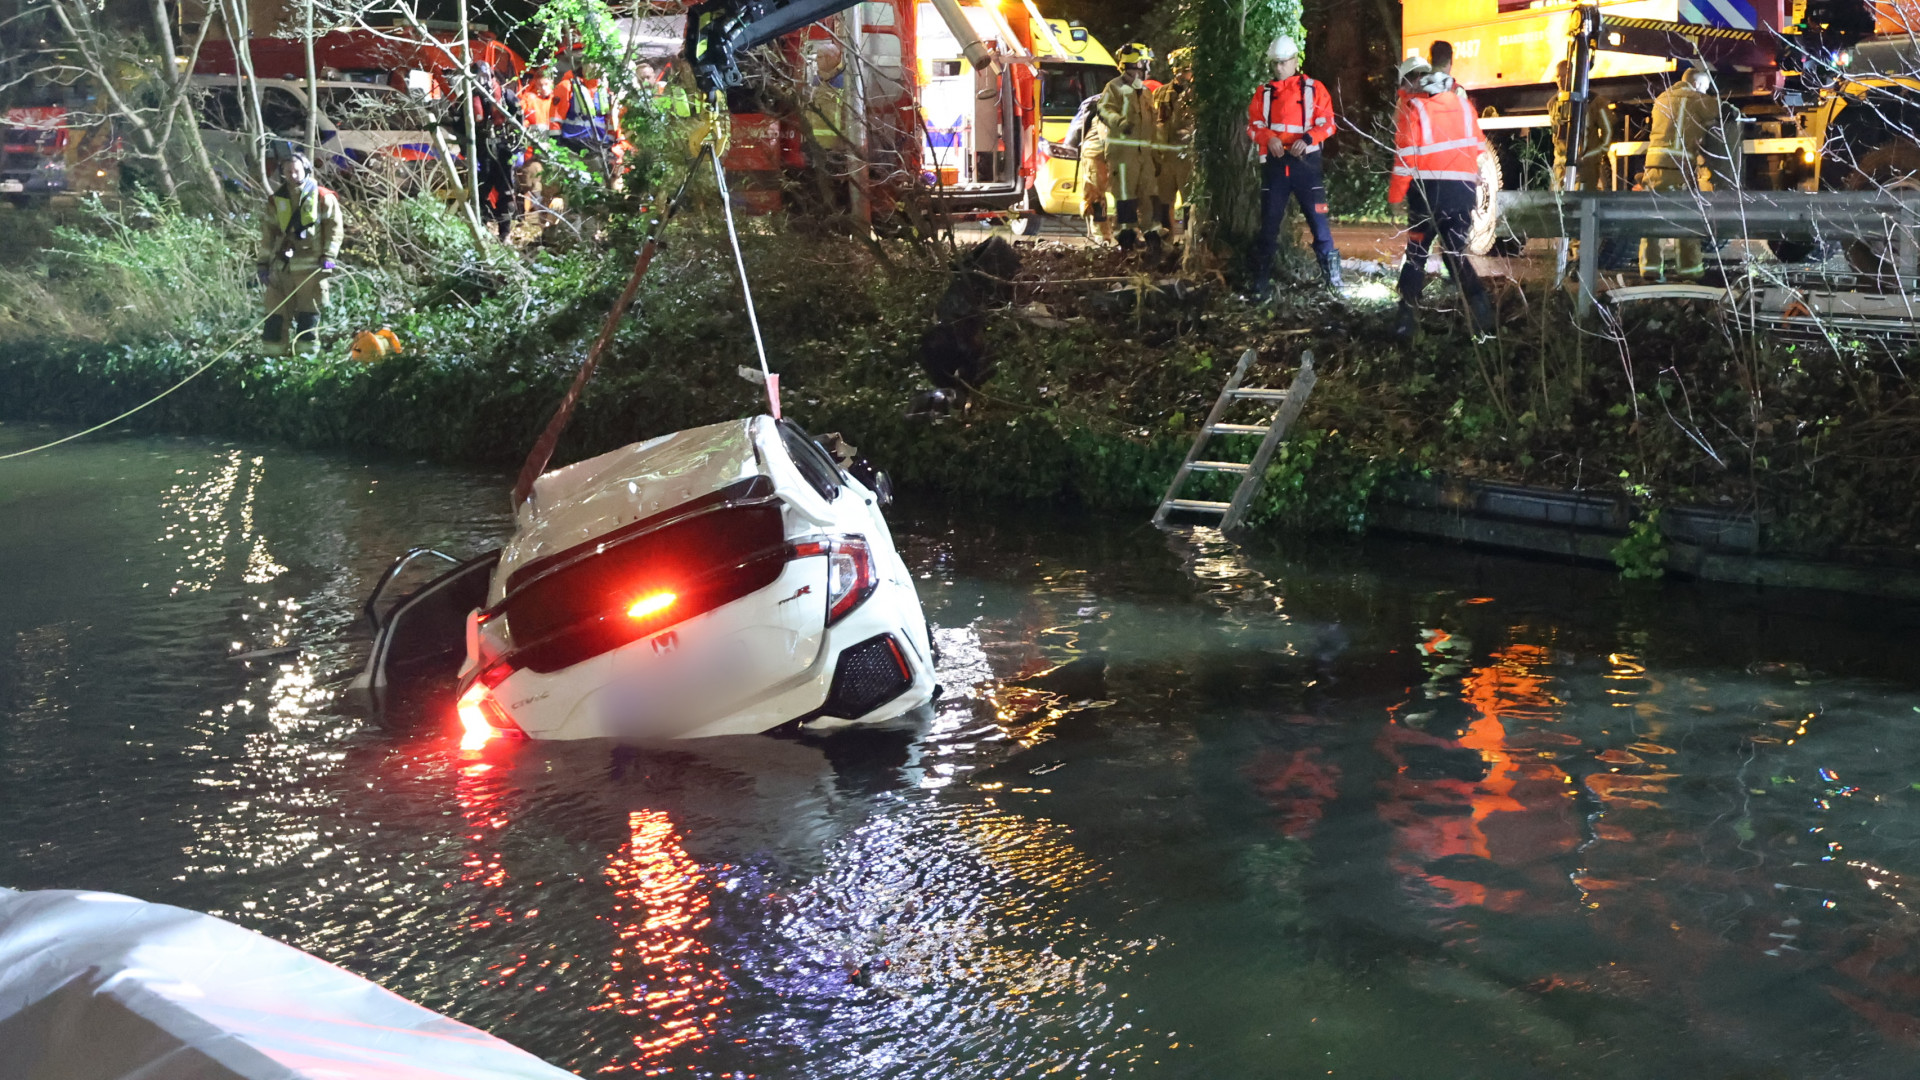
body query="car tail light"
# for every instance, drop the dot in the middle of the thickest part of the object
(851, 577)
(481, 715)
(851, 574)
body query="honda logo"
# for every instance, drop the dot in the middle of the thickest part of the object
(666, 642)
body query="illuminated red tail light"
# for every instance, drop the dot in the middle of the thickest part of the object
(481, 715)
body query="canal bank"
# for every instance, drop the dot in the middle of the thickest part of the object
(1100, 376)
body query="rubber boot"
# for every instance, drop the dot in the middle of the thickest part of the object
(1129, 238)
(1480, 313)
(273, 336)
(1330, 267)
(306, 333)
(1103, 227)
(1404, 323)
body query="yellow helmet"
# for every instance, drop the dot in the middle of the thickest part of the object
(1181, 59)
(1132, 53)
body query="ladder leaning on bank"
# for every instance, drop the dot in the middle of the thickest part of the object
(1285, 409)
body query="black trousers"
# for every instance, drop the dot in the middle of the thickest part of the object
(1439, 210)
(1284, 178)
(498, 199)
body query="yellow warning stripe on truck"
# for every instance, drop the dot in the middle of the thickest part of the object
(1692, 30)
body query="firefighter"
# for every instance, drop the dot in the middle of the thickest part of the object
(1592, 173)
(1685, 116)
(1173, 162)
(1288, 120)
(1088, 137)
(300, 238)
(1126, 108)
(1436, 176)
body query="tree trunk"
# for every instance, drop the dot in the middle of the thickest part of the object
(87, 41)
(179, 85)
(1232, 36)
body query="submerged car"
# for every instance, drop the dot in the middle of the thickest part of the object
(723, 580)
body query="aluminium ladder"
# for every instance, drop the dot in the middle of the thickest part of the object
(1286, 406)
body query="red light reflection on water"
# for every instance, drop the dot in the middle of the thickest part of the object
(482, 808)
(665, 975)
(1517, 815)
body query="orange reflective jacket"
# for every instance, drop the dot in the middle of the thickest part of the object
(1437, 137)
(1291, 109)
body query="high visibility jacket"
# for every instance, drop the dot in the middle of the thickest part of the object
(299, 231)
(1436, 137)
(1291, 109)
(538, 111)
(581, 110)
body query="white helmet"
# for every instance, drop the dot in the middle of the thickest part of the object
(1283, 48)
(1412, 69)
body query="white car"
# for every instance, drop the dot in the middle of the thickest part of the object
(360, 124)
(723, 580)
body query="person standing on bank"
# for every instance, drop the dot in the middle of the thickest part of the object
(1288, 120)
(1436, 176)
(1173, 161)
(1685, 117)
(300, 238)
(1126, 108)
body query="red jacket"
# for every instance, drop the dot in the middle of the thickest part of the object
(1291, 109)
(1437, 137)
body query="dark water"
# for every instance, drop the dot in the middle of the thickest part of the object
(1390, 811)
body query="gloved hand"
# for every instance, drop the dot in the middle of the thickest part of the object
(262, 273)
(327, 264)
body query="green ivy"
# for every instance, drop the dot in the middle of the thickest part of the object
(1230, 39)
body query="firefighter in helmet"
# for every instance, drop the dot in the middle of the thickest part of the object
(1436, 176)
(1126, 108)
(300, 238)
(1173, 161)
(1288, 120)
(1685, 133)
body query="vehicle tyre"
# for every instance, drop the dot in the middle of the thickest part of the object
(1032, 220)
(1798, 251)
(1892, 167)
(1486, 207)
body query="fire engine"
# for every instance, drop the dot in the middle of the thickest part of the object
(970, 98)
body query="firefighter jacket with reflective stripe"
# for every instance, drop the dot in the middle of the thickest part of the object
(1437, 137)
(1291, 109)
(1683, 121)
(298, 232)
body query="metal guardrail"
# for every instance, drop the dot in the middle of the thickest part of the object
(1887, 216)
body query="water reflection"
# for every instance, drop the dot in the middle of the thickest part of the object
(665, 976)
(1183, 810)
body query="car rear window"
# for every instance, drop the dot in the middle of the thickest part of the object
(581, 609)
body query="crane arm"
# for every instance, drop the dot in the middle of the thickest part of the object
(719, 32)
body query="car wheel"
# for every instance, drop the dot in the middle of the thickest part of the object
(1032, 219)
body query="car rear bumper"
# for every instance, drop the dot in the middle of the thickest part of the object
(869, 668)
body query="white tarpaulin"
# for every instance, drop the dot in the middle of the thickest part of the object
(95, 986)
